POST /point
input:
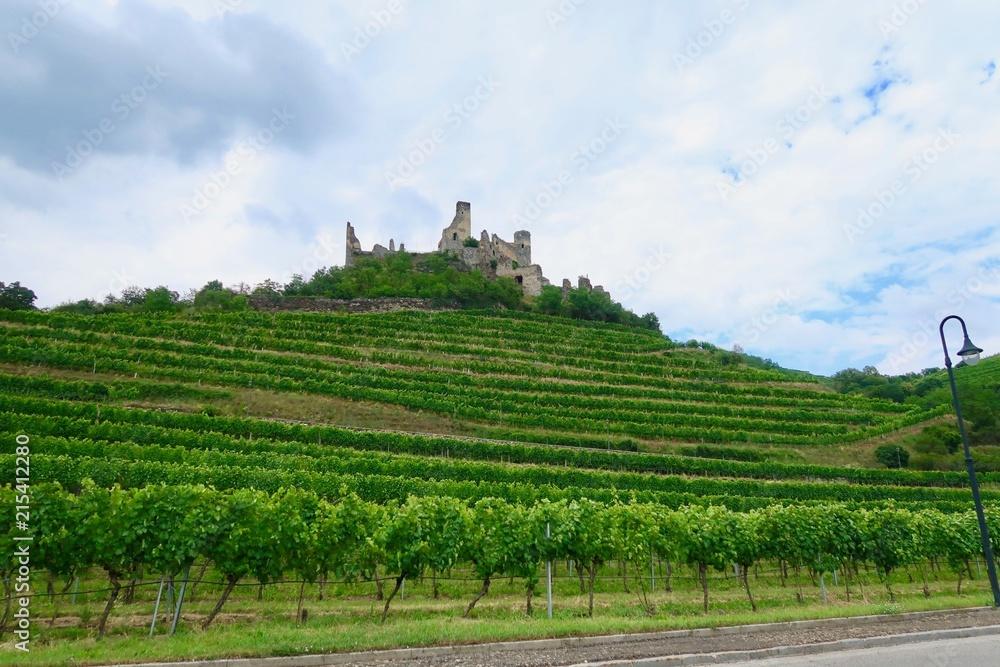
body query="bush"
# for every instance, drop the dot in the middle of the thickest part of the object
(938, 439)
(470, 243)
(892, 456)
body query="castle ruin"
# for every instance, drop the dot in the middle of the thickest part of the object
(491, 255)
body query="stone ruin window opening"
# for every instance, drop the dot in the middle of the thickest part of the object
(520, 280)
(454, 237)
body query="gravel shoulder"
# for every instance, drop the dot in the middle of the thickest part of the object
(537, 654)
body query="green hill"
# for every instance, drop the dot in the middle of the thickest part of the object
(341, 453)
(511, 376)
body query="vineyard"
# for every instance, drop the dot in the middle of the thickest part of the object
(143, 490)
(516, 376)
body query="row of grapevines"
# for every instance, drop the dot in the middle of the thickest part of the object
(446, 399)
(91, 421)
(164, 529)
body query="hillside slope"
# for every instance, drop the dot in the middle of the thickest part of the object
(502, 375)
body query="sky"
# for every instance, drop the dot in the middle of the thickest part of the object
(810, 181)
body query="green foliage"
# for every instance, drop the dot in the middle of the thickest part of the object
(550, 302)
(213, 296)
(77, 420)
(477, 375)
(893, 456)
(591, 305)
(161, 300)
(16, 297)
(939, 439)
(291, 533)
(979, 394)
(470, 243)
(83, 307)
(890, 539)
(724, 453)
(398, 275)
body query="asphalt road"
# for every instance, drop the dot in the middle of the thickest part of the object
(972, 652)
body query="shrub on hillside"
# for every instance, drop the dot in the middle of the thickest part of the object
(938, 439)
(892, 456)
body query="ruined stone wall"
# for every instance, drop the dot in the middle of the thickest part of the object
(530, 277)
(454, 236)
(493, 257)
(272, 304)
(506, 251)
(353, 246)
(522, 247)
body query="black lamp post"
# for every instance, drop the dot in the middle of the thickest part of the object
(970, 355)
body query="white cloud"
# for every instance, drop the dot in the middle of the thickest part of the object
(656, 188)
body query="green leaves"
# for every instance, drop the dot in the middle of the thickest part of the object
(469, 366)
(250, 533)
(425, 533)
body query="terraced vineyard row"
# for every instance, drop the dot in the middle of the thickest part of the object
(79, 440)
(474, 368)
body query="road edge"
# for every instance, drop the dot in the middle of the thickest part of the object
(332, 659)
(801, 649)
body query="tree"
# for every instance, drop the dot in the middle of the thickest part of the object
(269, 288)
(160, 300)
(82, 307)
(132, 297)
(892, 456)
(652, 322)
(550, 301)
(939, 439)
(213, 296)
(16, 297)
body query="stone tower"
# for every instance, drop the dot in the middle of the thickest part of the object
(454, 236)
(353, 246)
(522, 247)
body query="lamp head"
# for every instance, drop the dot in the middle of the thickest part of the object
(969, 353)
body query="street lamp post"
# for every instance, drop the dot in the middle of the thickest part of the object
(970, 355)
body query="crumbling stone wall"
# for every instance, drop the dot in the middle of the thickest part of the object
(529, 277)
(493, 257)
(454, 236)
(522, 247)
(353, 246)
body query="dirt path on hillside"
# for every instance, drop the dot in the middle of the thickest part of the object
(757, 639)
